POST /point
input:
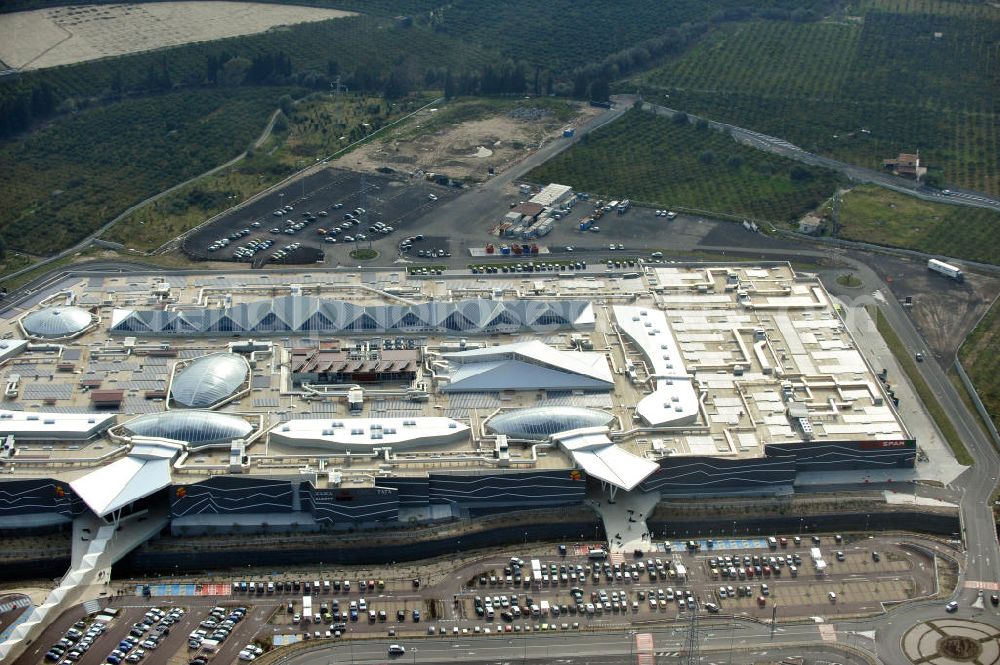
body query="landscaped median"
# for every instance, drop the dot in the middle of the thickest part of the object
(931, 403)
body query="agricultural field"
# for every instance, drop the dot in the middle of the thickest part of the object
(861, 89)
(663, 162)
(876, 215)
(67, 35)
(314, 128)
(65, 181)
(980, 356)
(561, 35)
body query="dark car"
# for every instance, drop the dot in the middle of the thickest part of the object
(995, 599)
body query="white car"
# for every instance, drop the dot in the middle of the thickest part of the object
(246, 655)
(432, 197)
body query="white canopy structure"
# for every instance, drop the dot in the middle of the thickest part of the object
(361, 435)
(601, 458)
(674, 402)
(43, 426)
(144, 471)
(530, 365)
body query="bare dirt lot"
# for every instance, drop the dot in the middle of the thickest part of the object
(450, 142)
(943, 310)
(65, 35)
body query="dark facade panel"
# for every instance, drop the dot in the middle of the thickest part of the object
(350, 505)
(37, 496)
(412, 492)
(517, 490)
(848, 455)
(700, 474)
(231, 494)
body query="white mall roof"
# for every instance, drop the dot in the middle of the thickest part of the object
(674, 402)
(144, 471)
(41, 425)
(363, 434)
(530, 365)
(600, 458)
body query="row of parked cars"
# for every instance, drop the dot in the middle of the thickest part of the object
(75, 642)
(145, 635)
(215, 629)
(308, 588)
(246, 252)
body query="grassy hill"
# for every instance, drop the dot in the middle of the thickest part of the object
(980, 356)
(872, 214)
(659, 161)
(861, 88)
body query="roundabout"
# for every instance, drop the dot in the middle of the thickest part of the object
(952, 641)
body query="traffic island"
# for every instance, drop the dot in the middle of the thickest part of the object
(953, 641)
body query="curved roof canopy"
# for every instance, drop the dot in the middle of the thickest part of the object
(209, 380)
(541, 422)
(55, 322)
(197, 428)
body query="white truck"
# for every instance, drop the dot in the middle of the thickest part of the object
(681, 571)
(307, 608)
(544, 608)
(945, 269)
(536, 571)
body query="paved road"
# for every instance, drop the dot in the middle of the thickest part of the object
(720, 642)
(856, 173)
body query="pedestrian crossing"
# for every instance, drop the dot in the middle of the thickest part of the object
(24, 601)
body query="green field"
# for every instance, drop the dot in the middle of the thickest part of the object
(67, 180)
(980, 356)
(875, 215)
(656, 161)
(924, 392)
(862, 88)
(317, 127)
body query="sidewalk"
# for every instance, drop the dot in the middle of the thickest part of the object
(940, 465)
(625, 519)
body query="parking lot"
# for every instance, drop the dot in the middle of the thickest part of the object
(568, 590)
(325, 215)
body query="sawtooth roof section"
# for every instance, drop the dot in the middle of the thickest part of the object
(307, 314)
